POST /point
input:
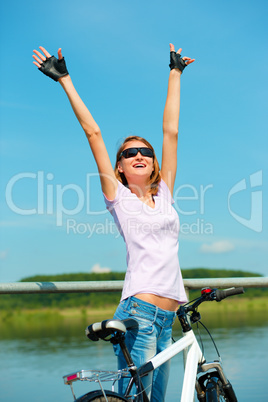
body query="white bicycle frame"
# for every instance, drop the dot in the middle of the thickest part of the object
(194, 365)
(189, 344)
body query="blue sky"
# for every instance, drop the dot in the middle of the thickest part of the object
(118, 54)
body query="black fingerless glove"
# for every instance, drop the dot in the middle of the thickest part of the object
(176, 61)
(54, 68)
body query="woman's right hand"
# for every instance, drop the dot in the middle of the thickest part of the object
(50, 65)
(176, 61)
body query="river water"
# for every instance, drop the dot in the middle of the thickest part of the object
(34, 357)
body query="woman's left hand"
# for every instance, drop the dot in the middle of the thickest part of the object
(50, 65)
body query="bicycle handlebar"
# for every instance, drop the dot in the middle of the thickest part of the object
(207, 294)
(222, 294)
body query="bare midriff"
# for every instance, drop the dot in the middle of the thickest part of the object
(159, 301)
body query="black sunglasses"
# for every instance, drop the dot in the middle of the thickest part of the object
(131, 152)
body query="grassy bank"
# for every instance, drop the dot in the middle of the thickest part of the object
(235, 306)
(43, 323)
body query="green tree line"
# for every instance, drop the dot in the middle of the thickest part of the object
(104, 299)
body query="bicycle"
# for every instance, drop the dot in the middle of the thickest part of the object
(207, 378)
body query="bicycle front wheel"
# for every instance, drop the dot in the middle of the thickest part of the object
(215, 391)
(97, 396)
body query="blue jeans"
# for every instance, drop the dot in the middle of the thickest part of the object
(153, 336)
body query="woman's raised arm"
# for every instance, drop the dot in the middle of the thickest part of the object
(171, 117)
(56, 69)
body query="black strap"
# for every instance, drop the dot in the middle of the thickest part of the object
(176, 61)
(54, 68)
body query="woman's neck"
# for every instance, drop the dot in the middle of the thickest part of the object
(142, 190)
(143, 193)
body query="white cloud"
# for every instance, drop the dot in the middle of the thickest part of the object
(3, 254)
(16, 105)
(8, 224)
(223, 246)
(97, 269)
(32, 221)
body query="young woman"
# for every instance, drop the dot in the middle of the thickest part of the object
(139, 197)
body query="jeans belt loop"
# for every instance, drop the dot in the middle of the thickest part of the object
(128, 302)
(156, 313)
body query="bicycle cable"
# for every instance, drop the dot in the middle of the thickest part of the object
(191, 301)
(211, 337)
(200, 340)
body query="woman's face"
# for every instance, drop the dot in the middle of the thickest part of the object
(137, 168)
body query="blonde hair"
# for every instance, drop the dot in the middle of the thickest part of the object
(155, 176)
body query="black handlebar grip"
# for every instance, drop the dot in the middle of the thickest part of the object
(91, 334)
(222, 294)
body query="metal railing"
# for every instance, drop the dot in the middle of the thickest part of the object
(113, 286)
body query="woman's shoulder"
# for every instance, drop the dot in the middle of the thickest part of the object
(121, 191)
(163, 191)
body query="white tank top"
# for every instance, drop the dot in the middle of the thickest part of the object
(151, 237)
